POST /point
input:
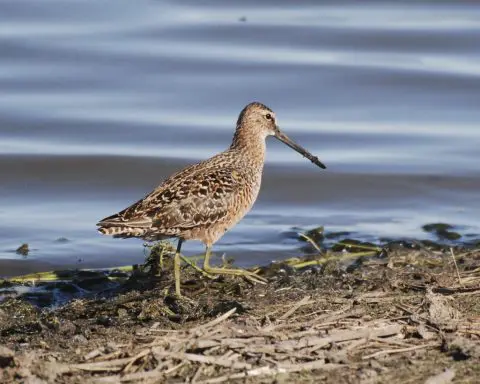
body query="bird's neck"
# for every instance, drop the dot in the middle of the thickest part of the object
(252, 145)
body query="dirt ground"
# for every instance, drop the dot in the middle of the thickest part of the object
(408, 315)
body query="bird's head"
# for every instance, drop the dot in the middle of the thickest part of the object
(256, 119)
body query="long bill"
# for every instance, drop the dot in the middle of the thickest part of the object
(286, 140)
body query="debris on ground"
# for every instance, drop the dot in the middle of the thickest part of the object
(409, 314)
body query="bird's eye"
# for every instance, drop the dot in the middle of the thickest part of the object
(268, 116)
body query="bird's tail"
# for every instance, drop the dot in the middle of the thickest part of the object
(123, 231)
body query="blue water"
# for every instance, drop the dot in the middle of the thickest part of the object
(101, 100)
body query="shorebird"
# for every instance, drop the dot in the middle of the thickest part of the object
(205, 200)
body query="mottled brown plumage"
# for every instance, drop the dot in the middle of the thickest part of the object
(206, 199)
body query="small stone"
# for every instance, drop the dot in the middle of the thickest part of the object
(62, 240)
(441, 312)
(444, 377)
(461, 348)
(23, 250)
(79, 339)
(6, 356)
(435, 227)
(425, 333)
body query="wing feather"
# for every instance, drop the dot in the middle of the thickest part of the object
(197, 196)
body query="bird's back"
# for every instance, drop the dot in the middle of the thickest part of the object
(208, 197)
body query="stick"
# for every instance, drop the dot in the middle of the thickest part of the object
(313, 243)
(110, 365)
(273, 371)
(216, 321)
(197, 374)
(301, 303)
(143, 353)
(320, 342)
(212, 360)
(456, 268)
(400, 350)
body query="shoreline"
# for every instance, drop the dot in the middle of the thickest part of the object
(402, 314)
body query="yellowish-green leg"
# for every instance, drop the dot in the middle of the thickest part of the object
(228, 271)
(176, 266)
(160, 257)
(194, 266)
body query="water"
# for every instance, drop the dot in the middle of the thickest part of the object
(101, 100)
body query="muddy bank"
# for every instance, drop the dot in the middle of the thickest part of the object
(404, 315)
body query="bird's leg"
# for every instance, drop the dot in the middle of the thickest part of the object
(194, 266)
(176, 267)
(229, 271)
(160, 258)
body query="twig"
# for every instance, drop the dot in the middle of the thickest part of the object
(110, 365)
(143, 353)
(131, 377)
(326, 319)
(216, 321)
(326, 259)
(389, 341)
(174, 368)
(93, 354)
(361, 246)
(320, 342)
(355, 344)
(273, 371)
(456, 268)
(310, 240)
(196, 375)
(304, 301)
(212, 360)
(400, 350)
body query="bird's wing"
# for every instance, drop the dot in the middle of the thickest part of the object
(196, 196)
(202, 200)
